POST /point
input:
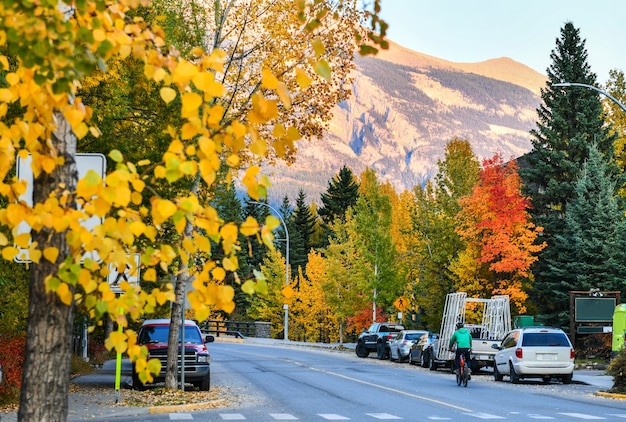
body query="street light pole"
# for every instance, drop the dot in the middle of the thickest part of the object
(606, 94)
(285, 306)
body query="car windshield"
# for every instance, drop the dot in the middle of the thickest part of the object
(159, 334)
(413, 336)
(545, 339)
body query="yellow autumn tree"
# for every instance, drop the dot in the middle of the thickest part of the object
(46, 50)
(313, 320)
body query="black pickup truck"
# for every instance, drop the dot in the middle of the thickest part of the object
(376, 339)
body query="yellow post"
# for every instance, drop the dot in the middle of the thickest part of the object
(118, 365)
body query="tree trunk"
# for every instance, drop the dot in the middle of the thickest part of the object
(177, 316)
(46, 373)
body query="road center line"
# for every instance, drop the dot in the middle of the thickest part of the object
(382, 387)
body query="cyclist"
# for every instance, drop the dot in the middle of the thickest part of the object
(463, 340)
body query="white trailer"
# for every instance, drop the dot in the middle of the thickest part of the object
(496, 322)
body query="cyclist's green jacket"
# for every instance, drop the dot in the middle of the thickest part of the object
(463, 339)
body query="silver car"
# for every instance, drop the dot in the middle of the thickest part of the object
(535, 352)
(400, 346)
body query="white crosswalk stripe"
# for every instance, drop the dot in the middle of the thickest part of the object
(232, 416)
(534, 416)
(481, 415)
(333, 417)
(582, 416)
(283, 417)
(181, 417)
(618, 415)
(383, 416)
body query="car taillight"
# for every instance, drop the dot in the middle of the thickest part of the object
(518, 353)
(572, 354)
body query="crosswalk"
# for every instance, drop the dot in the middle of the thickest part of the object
(569, 416)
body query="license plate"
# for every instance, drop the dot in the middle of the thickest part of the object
(546, 356)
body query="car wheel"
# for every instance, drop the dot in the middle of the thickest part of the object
(410, 358)
(361, 350)
(425, 359)
(567, 379)
(514, 378)
(497, 376)
(205, 384)
(381, 351)
(401, 359)
(432, 365)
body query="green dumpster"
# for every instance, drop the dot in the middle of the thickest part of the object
(523, 321)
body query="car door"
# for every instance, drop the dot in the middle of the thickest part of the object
(393, 346)
(507, 348)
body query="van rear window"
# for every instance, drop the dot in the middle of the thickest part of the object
(545, 339)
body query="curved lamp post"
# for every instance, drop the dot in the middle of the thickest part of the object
(285, 306)
(606, 94)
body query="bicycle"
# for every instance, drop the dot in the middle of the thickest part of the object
(463, 376)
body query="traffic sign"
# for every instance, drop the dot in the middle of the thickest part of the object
(401, 304)
(130, 275)
(84, 163)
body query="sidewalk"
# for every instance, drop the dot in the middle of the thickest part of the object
(100, 401)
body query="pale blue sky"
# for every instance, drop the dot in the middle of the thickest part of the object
(524, 30)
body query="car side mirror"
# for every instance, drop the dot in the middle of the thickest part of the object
(209, 339)
(495, 346)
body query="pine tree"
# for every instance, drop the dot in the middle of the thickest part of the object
(570, 120)
(341, 194)
(303, 223)
(592, 245)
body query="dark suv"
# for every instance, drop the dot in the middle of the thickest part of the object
(154, 334)
(376, 339)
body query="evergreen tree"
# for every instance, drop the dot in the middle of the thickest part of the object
(592, 245)
(570, 120)
(303, 223)
(341, 194)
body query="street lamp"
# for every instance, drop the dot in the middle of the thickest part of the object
(609, 96)
(285, 306)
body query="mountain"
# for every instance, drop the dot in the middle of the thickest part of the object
(405, 107)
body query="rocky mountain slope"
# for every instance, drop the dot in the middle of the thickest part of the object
(405, 107)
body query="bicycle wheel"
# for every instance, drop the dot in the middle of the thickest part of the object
(459, 377)
(465, 378)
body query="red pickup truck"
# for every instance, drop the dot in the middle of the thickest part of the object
(154, 334)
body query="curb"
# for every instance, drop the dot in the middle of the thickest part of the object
(180, 407)
(611, 395)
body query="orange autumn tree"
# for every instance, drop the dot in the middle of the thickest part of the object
(500, 238)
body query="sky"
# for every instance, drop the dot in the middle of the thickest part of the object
(524, 30)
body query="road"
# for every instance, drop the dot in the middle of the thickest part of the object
(301, 384)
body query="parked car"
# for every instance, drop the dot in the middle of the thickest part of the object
(376, 339)
(423, 351)
(400, 345)
(154, 334)
(535, 352)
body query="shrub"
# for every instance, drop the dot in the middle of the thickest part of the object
(617, 369)
(12, 360)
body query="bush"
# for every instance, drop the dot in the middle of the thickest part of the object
(12, 360)
(617, 369)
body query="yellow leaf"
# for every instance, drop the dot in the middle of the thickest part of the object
(259, 147)
(51, 254)
(74, 117)
(22, 240)
(65, 294)
(166, 208)
(231, 263)
(218, 274)
(191, 102)
(283, 94)
(268, 80)
(116, 156)
(9, 253)
(302, 79)
(184, 72)
(150, 275)
(249, 227)
(318, 47)
(323, 69)
(248, 287)
(167, 94)
(3, 239)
